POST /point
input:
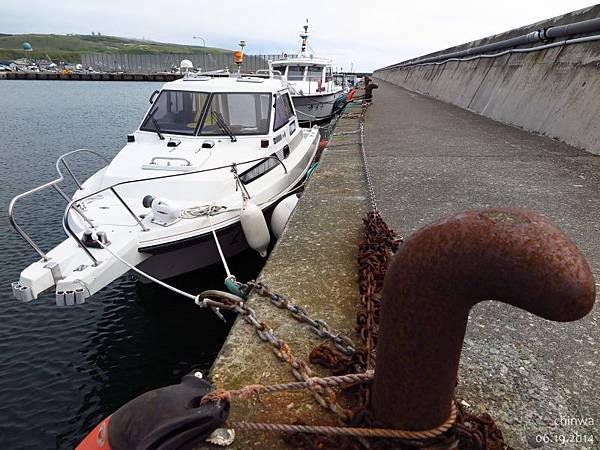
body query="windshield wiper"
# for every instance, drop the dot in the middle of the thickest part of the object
(156, 127)
(218, 117)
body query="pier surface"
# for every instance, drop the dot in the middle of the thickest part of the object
(314, 264)
(429, 159)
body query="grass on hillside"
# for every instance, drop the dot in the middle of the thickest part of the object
(69, 48)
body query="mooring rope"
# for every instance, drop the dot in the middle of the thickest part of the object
(219, 395)
(389, 433)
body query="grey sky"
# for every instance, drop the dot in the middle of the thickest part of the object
(369, 34)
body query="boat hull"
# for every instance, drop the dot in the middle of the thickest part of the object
(312, 108)
(166, 240)
(176, 258)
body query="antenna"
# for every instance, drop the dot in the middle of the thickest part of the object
(304, 36)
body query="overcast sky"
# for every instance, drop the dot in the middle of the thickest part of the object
(367, 34)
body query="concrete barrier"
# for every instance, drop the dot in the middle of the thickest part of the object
(552, 92)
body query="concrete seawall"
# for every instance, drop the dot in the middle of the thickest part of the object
(552, 92)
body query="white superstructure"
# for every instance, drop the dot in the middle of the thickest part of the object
(314, 90)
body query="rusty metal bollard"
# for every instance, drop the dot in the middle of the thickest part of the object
(439, 274)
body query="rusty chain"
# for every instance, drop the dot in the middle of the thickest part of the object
(317, 326)
(324, 395)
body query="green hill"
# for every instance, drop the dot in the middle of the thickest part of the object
(70, 47)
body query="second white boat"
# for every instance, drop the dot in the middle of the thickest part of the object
(311, 81)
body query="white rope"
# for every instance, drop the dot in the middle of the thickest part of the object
(207, 210)
(151, 278)
(194, 212)
(212, 229)
(196, 298)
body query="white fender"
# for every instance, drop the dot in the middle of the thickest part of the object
(282, 213)
(255, 228)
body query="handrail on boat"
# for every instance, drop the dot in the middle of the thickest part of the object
(170, 158)
(112, 187)
(53, 184)
(73, 203)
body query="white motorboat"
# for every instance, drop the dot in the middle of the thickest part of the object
(314, 90)
(211, 158)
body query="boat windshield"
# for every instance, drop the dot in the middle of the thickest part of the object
(279, 68)
(176, 112)
(244, 113)
(295, 73)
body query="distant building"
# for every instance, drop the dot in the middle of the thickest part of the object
(26, 46)
(73, 66)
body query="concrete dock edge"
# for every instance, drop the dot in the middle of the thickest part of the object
(314, 264)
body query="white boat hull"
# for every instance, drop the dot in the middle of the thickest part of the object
(162, 253)
(154, 208)
(315, 107)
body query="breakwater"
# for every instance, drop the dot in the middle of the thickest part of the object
(551, 91)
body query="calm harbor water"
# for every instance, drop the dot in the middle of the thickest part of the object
(64, 369)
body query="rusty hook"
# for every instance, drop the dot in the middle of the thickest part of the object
(511, 255)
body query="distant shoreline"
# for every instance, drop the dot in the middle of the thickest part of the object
(69, 48)
(94, 76)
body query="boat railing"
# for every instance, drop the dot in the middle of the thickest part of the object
(55, 185)
(73, 204)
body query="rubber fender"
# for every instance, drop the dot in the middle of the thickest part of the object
(255, 228)
(166, 418)
(281, 214)
(350, 95)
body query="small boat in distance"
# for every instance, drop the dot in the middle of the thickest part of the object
(211, 158)
(311, 82)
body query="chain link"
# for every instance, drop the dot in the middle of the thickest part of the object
(325, 396)
(365, 161)
(317, 326)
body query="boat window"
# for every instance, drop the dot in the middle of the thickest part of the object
(328, 75)
(288, 103)
(280, 69)
(283, 111)
(175, 112)
(259, 169)
(295, 73)
(315, 73)
(244, 113)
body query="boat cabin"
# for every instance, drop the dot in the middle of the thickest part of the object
(305, 75)
(218, 107)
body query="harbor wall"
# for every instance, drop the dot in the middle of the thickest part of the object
(107, 62)
(553, 92)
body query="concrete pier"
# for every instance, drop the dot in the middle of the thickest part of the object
(551, 91)
(428, 159)
(314, 264)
